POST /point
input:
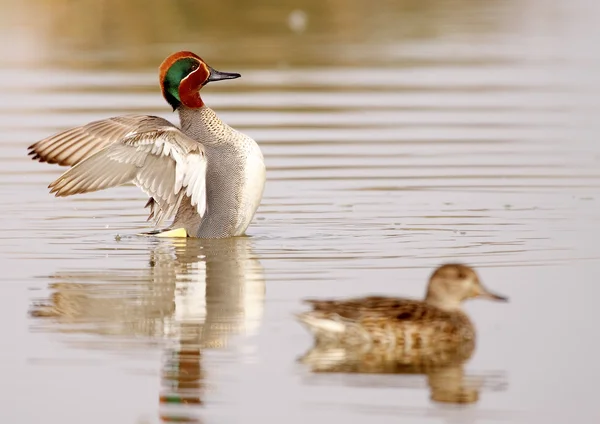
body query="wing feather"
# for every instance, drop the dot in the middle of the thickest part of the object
(398, 309)
(71, 146)
(165, 163)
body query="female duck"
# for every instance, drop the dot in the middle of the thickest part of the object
(414, 326)
(210, 176)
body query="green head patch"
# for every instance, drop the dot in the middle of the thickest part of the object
(177, 72)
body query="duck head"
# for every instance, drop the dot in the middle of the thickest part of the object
(452, 284)
(183, 74)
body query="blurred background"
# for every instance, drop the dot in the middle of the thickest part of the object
(397, 135)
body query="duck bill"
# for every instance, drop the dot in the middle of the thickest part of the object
(484, 293)
(219, 76)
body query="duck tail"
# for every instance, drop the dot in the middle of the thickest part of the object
(169, 232)
(322, 325)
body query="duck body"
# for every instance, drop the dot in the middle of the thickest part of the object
(397, 323)
(235, 177)
(207, 175)
(407, 331)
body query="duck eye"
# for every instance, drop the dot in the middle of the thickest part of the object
(194, 66)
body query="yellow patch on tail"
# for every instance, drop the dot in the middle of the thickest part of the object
(175, 233)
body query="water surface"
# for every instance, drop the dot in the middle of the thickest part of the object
(396, 136)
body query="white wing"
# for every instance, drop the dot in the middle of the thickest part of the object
(75, 144)
(165, 163)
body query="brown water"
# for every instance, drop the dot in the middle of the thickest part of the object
(397, 135)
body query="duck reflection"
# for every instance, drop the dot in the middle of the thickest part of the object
(194, 294)
(445, 376)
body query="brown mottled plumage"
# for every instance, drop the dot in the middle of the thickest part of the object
(416, 330)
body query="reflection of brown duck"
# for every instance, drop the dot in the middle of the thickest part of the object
(446, 379)
(195, 294)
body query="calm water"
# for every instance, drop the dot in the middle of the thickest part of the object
(397, 136)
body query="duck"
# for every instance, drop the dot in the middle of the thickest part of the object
(206, 174)
(406, 331)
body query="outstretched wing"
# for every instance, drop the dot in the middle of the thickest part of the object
(70, 147)
(157, 157)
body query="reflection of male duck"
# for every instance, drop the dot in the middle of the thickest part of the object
(195, 292)
(402, 336)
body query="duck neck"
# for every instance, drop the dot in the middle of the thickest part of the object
(202, 123)
(190, 115)
(445, 304)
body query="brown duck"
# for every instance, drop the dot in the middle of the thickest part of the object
(413, 329)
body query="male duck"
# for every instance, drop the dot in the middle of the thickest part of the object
(413, 326)
(206, 173)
